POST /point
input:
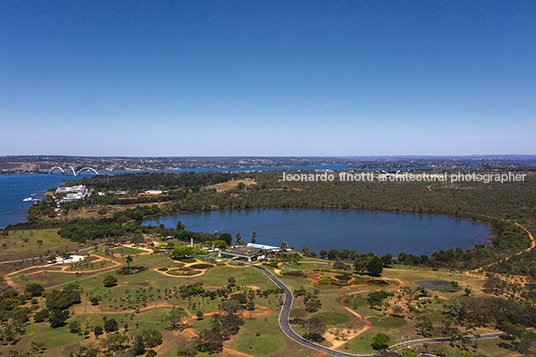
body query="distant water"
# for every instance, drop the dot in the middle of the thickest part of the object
(377, 232)
(15, 188)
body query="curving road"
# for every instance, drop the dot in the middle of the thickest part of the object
(284, 317)
(285, 325)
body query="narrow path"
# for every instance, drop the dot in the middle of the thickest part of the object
(532, 245)
(284, 319)
(285, 326)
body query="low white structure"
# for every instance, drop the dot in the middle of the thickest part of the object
(74, 189)
(154, 192)
(71, 259)
(264, 247)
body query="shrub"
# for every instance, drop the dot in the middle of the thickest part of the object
(35, 289)
(296, 273)
(130, 270)
(201, 266)
(109, 281)
(343, 277)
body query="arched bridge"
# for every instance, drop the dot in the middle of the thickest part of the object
(70, 168)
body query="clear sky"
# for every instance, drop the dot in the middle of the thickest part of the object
(267, 78)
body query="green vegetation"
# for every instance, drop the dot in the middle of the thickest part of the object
(141, 307)
(331, 318)
(266, 343)
(387, 322)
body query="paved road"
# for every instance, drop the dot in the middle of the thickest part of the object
(285, 325)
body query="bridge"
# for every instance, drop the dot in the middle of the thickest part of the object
(70, 168)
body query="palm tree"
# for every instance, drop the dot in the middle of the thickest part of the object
(253, 235)
(238, 239)
(129, 260)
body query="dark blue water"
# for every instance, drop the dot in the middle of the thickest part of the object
(377, 232)
(15, 188)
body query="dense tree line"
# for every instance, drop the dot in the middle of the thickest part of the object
(157, 180)
(477, 201)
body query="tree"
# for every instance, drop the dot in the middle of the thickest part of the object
(109, 281)
(380, 341)
(376, 298)
(139, 346)
(115, 342)
(253, 235)
(177, 316)
(41, 315)
(333, 254)
(227, 238)
(375, 266)
(74, 326)
(238, 239)
(314, 328)
(313, 304)
(35, 289)
(57, 318)
(283, 247)
(187, 348)
(323, 253)
(98, 330)
(387, 259)
(110, 325)
(152, 337)
(425, 325)
(129, 260)
(94, 301)
(182, 251)
(180, 226)
(210, 340)
(200, 315)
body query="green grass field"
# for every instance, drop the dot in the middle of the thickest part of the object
(23, 244)
(332, 318)
(269, 342)
(387, 322)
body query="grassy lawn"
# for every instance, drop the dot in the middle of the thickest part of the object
(388, 322)
(300, 266)
(23, 244)
(47, 279)
(268, 343)
(152, 320)
(127, 250)
(199, 325)
(331, 318)
(361, 343)
(355, 301)
(52, 337)
(244, 276)
(262, 322)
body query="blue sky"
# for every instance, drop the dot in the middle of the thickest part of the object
(267, 78)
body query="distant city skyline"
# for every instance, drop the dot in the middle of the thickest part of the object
(267, 78)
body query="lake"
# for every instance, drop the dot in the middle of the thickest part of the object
(15, 188)
(378, 232)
